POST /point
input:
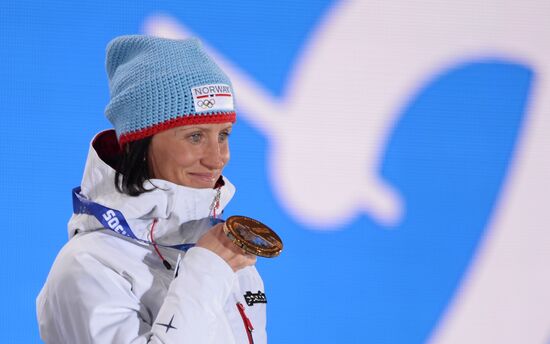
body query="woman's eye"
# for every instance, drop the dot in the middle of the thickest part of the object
(224, 135)
(195, 137)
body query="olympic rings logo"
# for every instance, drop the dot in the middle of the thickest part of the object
(206, 104)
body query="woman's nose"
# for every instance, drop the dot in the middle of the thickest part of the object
(215, 155)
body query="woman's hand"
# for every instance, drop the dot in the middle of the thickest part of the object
(216, 241)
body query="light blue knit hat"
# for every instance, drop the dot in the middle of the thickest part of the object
(158, 83)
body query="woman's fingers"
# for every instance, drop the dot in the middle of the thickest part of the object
(216, 241)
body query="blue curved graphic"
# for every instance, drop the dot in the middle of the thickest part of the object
(448, 156)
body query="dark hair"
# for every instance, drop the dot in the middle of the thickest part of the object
(133, 170)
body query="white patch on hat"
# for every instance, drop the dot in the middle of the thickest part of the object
(213, 97)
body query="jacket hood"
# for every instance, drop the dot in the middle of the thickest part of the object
(175, 207)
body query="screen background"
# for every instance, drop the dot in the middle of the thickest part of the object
(401, 150)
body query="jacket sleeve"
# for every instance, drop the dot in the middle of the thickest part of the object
(90, 303)
(195, 300)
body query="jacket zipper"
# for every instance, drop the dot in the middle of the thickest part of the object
(247, 324)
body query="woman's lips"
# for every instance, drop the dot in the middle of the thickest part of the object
(205, 177)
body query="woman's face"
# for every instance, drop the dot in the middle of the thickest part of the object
(191, 155)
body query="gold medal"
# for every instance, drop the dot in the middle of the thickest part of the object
(253, 236)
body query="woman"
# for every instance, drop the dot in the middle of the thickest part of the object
(153, 187)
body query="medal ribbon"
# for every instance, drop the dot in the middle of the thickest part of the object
(113, 219)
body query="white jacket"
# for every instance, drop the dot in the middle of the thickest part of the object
(106, 288)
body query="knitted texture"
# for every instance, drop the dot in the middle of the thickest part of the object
(152, 81)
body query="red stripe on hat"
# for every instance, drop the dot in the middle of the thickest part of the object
(177, 122)
(223, 95)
